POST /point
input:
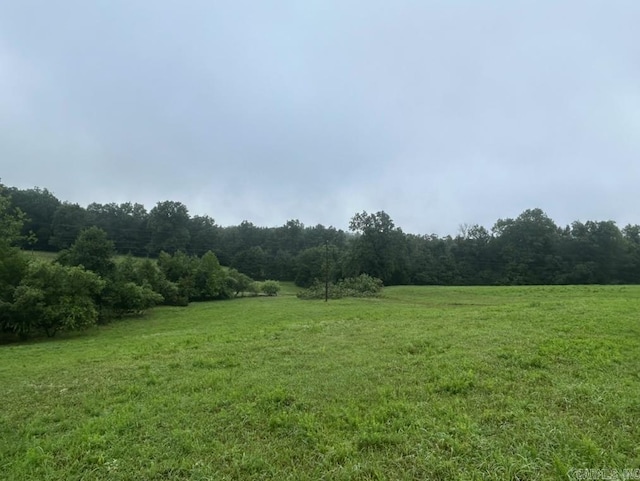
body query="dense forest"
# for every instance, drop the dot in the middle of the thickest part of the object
(530, 249)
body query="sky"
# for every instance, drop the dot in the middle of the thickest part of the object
(439, 112)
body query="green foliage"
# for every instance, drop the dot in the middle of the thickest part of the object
(179, 269)
(203, 233)
(530, 249)
(362, 286)
(13, 267)
(210, 280)
(527, 248)
(68, 221)
(146, 273)
(251, 262)
(176, 266)
(125, 224)
(126, 290)
(39, 207)
(379, 248)
(53, 298)
(316, 263)
(134, 287)
(254, 288)
(270, 288)
(11, 220)
(121, 298)
(93, 251)
(168, 227)
(149, 273)
(600, 255)
(13, 263)
(196, 278)
(239, 282)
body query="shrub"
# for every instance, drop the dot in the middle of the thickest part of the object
(121, 298)
(270, 288)
(239, 282)
(54, 298)
(362, 286)
(149, 273)
(254, 288)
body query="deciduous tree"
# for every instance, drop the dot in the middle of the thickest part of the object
(92, 250)
(168, 227)
(379, 249)
(68, 221)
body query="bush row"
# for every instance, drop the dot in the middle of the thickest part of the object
(85, 285)
(362, 286)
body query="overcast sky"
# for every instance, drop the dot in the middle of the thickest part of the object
(439, 112)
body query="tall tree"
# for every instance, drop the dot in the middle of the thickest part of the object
(203, 233)
(252, 262)
(210, 280)
(599, 250)
(39, 207)
(13, 263)
(473, 256)
(379, 248)
(92, 250)
(179, 269)
(528, 248)
(630, 269)
(432, 261)
(132, 234)
(315, 263)
(291, 236)
(68, 220)
(168, 227)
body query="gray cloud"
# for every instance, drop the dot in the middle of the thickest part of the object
(440, 113)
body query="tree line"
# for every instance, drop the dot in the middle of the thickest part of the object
(530, 249)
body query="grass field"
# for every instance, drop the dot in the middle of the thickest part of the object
(432, 383)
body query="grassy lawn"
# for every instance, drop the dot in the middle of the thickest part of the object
(429, 383)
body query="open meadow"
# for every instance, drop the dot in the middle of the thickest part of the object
(425, 383)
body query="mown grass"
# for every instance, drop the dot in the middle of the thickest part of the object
(522, 383)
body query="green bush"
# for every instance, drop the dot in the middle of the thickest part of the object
(362, 286)
(270, 288)
(240, 283)
(147, 272)
(53, 298)
(121, 298)
(254, 288)
(210, 281)
(92, 250)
